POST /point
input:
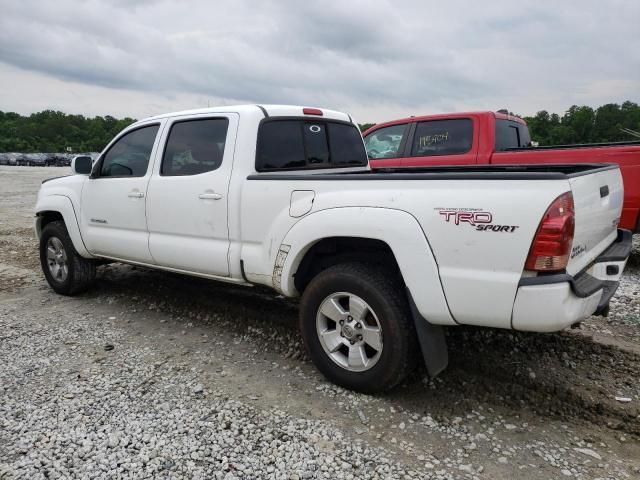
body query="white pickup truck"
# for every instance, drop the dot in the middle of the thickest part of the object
(283, 196)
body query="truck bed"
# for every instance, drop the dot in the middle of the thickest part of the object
(490, 142)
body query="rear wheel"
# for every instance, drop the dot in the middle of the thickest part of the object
(357, 327)
(66, 272)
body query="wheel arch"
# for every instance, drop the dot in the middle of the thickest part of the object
(59, 207)
(394, 235)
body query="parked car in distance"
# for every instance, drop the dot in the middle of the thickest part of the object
(485, 138)
(22, 160)
(57, 160)
(33, 159)
(283, 196)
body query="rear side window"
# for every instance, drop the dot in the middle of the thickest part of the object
(511, 135)
(385, 142)
(346, 146)
(194, 147)
(129, 156)
(442, 137)
(303, 144)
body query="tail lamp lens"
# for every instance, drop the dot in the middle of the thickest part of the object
(551, 245)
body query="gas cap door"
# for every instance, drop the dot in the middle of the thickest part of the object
(301, 202)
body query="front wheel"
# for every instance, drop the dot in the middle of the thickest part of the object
(66, 272)
(356, 325)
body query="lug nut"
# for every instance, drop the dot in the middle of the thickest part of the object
(341, 322)
(351, 342)
(358, 325)
(349, 318)
(359, 337)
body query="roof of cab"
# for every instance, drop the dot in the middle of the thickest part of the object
(272, 111)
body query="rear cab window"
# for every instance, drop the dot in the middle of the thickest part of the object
(511, 134)
(299, 144)
(442, 137)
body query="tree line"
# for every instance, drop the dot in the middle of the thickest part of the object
(53, 131)
(585, 124)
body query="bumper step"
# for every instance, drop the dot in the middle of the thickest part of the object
(584, 285)
(619, 250)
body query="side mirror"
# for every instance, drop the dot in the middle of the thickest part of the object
(81, 165)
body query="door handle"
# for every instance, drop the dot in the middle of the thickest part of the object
(604, 191)
(210, 196)
(136, 194)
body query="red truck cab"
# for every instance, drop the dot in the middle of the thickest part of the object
(483, 138)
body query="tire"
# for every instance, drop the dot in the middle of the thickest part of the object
(74, 274)
(349, 286)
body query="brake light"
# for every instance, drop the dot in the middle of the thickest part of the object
(551, 246)
(312, 111)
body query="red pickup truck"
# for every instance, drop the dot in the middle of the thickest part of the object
(493, 138)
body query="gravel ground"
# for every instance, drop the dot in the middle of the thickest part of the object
(157, 375)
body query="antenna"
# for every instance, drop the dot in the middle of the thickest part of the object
(628, 131)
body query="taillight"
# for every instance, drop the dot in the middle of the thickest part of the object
(551, 246)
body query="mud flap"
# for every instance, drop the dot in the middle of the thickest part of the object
(432, 341)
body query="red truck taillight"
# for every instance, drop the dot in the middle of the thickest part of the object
(551, 246)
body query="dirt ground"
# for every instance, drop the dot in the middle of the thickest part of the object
(532, 406)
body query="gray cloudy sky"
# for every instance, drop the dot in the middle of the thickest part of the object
(375, 59)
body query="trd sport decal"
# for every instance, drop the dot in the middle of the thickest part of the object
(481, 220)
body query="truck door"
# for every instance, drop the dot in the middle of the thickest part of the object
(112, 210)
(187, 198)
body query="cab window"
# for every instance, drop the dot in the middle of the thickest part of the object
(129, 156)
(385, 142)
(194, 147)
(442, 137)
(510, 134)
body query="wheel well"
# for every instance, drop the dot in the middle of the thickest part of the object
(334, 250)
(47, 217)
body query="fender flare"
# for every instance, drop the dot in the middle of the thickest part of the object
(400, 230)
(62, 205)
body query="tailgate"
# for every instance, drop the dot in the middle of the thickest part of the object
(597, 196)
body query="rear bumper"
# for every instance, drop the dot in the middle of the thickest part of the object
(548, 303)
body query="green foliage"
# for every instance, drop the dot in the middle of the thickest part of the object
(585, 125)
(51, 131)
(365, 126)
